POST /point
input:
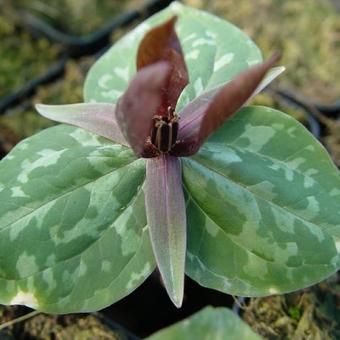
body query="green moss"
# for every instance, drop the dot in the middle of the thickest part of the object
(45, 327)
(68, 89)
(19, 123)
(265, 99)
(22, 57)
(63, 327)
(306, 31)
(309, 314)
(332, 138)
(77, 16)
(294, 313)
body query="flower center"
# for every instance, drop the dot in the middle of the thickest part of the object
(165, 130)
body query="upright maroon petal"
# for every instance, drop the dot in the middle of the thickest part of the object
(162, 44)
(211, 112)
(139, 104)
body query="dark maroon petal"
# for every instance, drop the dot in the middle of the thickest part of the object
(210, 112)
(139, 104)
(166, 217)
(162, 44)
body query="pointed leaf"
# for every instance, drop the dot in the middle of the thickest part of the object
(209, 323)
(212, 114)
(73, 234)
(165, 209)
(262, 206)
(139, 104)
(161, 44)
(215, 52)
(97, 118)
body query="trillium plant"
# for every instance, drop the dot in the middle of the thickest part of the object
(165, 166)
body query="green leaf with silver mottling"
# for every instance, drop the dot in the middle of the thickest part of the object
(209, 323)
(263, 202)
(215, 52)
(73, 233)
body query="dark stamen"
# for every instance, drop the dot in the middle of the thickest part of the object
(165, 130)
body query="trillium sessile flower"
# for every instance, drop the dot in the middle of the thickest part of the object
(144, 119)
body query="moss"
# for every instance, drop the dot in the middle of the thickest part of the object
(294, 313)
(8, 314)
(72, 327)
(76, 17)
(68, 89)
(18, 124)
(58, 327)
(23, 58)
(274, 102)
(308, 314)
(332, 138)
(306, 31)
(24, 121)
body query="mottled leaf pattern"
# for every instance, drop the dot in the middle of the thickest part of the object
(206, 40)
(72, 237)
(263, 203)
(209, 323)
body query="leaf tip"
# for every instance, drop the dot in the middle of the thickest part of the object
(42, 108)
(175, 288)
(176, 297)
(39, 107)
(274, 58)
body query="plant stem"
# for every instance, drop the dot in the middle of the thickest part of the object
(19, 319)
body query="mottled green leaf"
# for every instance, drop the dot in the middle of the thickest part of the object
(206, 40)
(209, 323)
(263, 202)
(73, 233)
